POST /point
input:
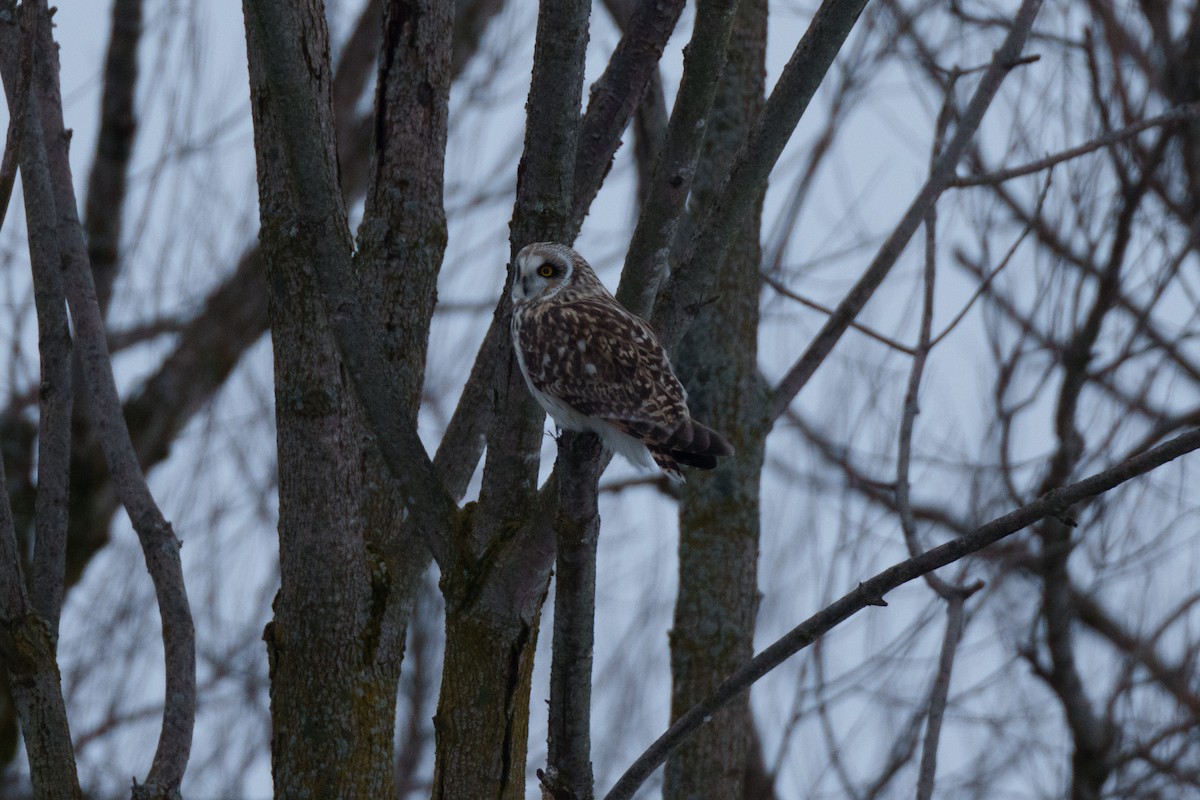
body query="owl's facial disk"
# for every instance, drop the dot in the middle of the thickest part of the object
(538, 274)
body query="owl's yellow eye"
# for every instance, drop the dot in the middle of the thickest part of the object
(545, 270)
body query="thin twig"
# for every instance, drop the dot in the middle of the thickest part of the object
(782, 288)
(1188, 111)
(991, 276)
(911, 405)
(955, 596)
(941, 690)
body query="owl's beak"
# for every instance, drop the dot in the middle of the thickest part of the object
(525, 286)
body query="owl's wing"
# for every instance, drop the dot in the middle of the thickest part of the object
(604, 362)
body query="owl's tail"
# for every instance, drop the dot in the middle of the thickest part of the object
(693, 444)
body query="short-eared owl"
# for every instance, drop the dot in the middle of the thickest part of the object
(596, 367)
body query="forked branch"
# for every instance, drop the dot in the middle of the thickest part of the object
(303, 146)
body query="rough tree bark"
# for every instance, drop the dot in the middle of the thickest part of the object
(717, 599)
(336, 642)
(228, 323)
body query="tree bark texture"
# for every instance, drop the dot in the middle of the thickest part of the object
(210, 345)
(28, 650)
(577, 534)
(715, 609)
(488, 667)
(401, 245)
(29, 631)
(323, 700)
(348, 577)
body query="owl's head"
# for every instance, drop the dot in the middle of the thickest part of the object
(543, 269)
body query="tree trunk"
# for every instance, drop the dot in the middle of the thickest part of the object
(333, 673)
(488, 666)
(347, 578)
(719, 517)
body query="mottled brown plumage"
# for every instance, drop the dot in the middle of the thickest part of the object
(595, 366)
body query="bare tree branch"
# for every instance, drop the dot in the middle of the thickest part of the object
(937, 698)
(159, 544)
(494, 602)
(362, 352)
(1002, 63)
(209, 346)
(741, 189)
(615, 96)
(869, 593)
(577, 531)
(542, 212)
(18, 105)
(955, 596)
(28, 632)
(1190, 111)
(1175, 680)
(720, 516)
(106, 185)
(463, 443)
(55, 402)
(782, 288)
(911, 408)
(55, 396)
(646, 261)
(986, 281)
(353, 76)
(1093, 735)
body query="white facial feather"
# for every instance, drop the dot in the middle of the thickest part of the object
(529, 284)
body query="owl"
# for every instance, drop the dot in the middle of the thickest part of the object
(593, 366)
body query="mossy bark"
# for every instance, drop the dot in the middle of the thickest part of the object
(27, 649)
(719, 516)
(482, 724)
